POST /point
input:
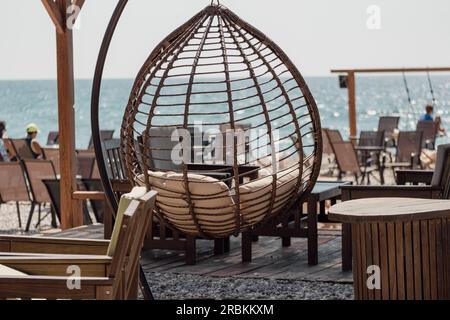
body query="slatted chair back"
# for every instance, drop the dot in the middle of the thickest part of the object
(429, 131)
(132, 221)
(388, 125)
(21, 149)
(53, 138)
(36, 171)
(441, 176)
(13, 186)
(326, 148)
(371, 139)
(52, 154)
(104, 135)
(409, 146)
(346, 157)
(113, 156)
(159, 149)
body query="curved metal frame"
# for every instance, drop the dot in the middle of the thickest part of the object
(95, 125)
(95, 99)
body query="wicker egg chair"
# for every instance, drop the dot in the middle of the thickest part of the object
(219, 70)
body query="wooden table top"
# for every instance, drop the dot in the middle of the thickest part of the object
(389, 209)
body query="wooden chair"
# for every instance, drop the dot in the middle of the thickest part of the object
(348, 162)
(388, 125)
(429, 132)
(37, 267)
(104, 135)
(53, 138)
(36, 171)
(13, 186)
(409, 147)
(438, 189)
(21, 149)
(52, 154)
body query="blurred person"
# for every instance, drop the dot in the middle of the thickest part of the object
(35, 147)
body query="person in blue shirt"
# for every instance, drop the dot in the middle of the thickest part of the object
(428, 116)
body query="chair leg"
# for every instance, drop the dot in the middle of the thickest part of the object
(246, 246)
(53, 212)
(190, 250)
(30, 216)
(39, 216)
(18, 214)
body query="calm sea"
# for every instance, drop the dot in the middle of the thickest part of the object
(22, 102)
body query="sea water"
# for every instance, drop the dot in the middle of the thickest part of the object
(22, 102)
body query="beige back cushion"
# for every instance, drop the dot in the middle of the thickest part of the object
(255, 196)
(211, 200)
(125, 201)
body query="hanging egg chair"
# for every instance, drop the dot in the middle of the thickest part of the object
(259, 145)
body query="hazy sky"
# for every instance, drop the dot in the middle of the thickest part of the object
(316, 34)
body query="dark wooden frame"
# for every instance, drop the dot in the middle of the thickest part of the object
(289, 225)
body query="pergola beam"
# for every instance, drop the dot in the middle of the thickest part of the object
(391, 70)
(351, 87)
(55, 14)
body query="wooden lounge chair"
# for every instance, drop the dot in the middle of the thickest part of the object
(409, 147)
(438, 189)
(13, 186)
(429, 131)
(388, 125)
(38, 267)
(348, 162)
(36, 171)
(21, 149)
(52, 154)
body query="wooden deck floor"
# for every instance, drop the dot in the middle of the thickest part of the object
(270, 260)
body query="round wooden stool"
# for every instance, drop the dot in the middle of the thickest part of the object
(401, 247)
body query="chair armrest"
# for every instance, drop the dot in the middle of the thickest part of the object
(414, 176)
(59, 265)
(46, 287)
(52, 245)
(358, 192)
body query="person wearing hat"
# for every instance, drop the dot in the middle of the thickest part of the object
(35, 147)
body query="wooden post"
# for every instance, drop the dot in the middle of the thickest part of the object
(351, 104)
(71, 214)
